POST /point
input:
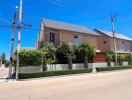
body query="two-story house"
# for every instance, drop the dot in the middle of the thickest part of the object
(106, 42)
(57, 32)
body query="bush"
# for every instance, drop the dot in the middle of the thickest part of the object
(121, 58)
(109, 59)
(65, 54)
(130, 59)
(30, 57)
(52, 73)
(113, 68)
(48, 55)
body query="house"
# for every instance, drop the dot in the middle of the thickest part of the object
(106, 42)
(57, 32)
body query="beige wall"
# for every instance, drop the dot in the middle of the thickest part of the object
(127, 45)
(91, 39)
(104, 44)
(109, 46)
(68, 36)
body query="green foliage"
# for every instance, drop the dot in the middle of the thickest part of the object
(79, 58)
(30, 57)
(65, 54)
(3, 56)
(48, 55)
(91, 53)
(121, 59)
(109, 59)
(113, 68)
(49, 51)
(130, 59)
(52, 73)
(84, 48)
(44, 63)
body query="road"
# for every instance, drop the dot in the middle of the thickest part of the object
(102, 86)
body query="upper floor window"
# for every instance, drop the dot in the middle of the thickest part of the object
(52, 37)
(104, 42)
(123, 45)
(77, 39)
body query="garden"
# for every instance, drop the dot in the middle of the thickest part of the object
(69, 55)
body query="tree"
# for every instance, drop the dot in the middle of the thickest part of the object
(65, 54)
(121, 59)
(84, 49)
(91, 53)
(49, 55)
(130, 59)
(109, 59)
(79, 58)
(3, 56)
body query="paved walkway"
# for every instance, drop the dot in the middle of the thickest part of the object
(102, 86)
(3, 72)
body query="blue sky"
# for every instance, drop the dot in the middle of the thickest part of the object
(90, 13)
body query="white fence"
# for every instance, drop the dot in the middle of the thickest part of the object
(53, 67)
(30, 69)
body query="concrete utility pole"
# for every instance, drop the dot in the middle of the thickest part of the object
(19, 38)
(13, 26)
(113, 18)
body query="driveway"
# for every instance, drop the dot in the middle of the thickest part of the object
(102, 86)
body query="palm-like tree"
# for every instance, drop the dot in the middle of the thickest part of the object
(84, 48)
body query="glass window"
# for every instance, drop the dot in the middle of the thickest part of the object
(52, 37)
(77, 39)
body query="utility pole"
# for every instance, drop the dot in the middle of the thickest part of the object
(19, 38)
(113, 18)
(13, 26)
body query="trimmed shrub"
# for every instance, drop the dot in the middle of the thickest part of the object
(52, 73)
(121, 58)
(109, 59)
(65, 54)
(30, 57)
(130, 59)
(48, 55)
(113, 68)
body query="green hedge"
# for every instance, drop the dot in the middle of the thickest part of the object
(30, 57)
(52, 73)
(67, 72)
(113, 68)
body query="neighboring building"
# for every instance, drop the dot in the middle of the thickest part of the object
(57, 32)
(106, 42)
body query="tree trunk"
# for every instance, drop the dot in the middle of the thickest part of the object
(85, 61)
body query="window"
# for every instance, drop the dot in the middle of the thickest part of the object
(77, 39)
(52, 37)
(76, 36)
(123, 45)
(104, 42)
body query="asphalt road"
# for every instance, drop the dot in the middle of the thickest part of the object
(102, 86)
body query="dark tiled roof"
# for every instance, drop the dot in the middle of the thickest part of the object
(117, 35)
(67, 27)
